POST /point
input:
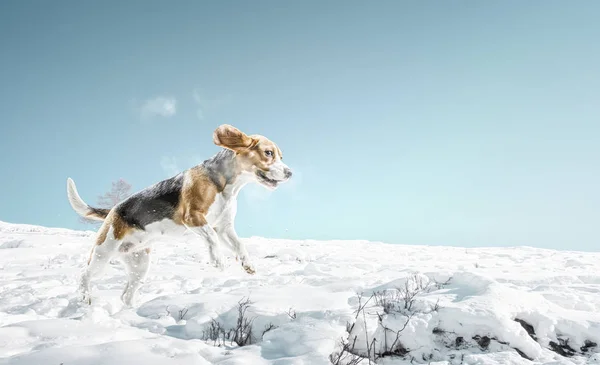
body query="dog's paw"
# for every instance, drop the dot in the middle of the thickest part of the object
(249, 268)
(85, 298)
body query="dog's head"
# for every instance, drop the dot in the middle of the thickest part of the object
(256, 154)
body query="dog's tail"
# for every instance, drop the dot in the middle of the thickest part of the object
(81, 207)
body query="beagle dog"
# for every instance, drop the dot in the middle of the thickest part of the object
(200, 201)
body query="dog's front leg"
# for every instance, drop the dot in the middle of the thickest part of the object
(199, 226)
(239, 247)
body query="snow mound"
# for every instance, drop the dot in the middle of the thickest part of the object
(310, 302)
(31, 229)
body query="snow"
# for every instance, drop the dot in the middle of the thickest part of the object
(463, 312)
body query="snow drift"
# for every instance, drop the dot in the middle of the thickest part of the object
(311, 302)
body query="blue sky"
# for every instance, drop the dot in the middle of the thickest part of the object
(442, 123)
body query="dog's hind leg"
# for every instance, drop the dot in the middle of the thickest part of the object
(105, 249)
(137, 264)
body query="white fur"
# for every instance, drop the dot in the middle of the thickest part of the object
(221, 217)
(76, 202)
(137, 264)
(100, 257)
(277, 171)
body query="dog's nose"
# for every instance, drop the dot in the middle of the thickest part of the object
(288, 173)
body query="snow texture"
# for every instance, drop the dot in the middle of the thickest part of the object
(400, 304)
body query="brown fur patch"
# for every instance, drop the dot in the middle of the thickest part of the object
(90, 258)
(120, 228)
(250, 150)
(102, 233)
(197, 195)
(257, 156)
(148, 249)
(230, 137)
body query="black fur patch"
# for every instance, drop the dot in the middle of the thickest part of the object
(99, 212)
(152, 204)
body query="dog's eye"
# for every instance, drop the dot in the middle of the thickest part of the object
(269, 153)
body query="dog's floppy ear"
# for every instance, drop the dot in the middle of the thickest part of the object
(232, 138)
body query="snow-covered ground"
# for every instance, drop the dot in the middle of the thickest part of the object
(437, 305)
